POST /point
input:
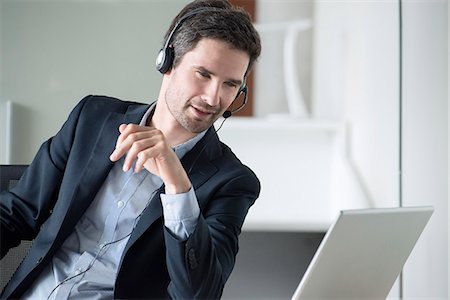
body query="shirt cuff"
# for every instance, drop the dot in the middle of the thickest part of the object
(181, 213)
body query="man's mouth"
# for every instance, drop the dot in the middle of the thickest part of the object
(202, 112)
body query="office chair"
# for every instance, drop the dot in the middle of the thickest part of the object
(9, 175)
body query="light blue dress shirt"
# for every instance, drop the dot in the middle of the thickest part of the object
(86, 265)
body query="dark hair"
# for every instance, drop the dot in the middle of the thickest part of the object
(227, 23)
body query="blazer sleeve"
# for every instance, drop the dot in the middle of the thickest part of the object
(200, 266)
(24, 208)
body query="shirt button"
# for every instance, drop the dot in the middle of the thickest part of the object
(120, 204)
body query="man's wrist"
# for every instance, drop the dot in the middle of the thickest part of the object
(180, 188)
(174, 190)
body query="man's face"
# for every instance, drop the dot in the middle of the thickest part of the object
(204, 84)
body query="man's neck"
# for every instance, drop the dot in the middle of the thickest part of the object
(174, 133)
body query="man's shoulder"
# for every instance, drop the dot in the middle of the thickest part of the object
(108, 103)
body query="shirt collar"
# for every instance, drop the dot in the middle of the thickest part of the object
(148, 114)
(182, 149)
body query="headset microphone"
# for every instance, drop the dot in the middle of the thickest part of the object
(226, 114)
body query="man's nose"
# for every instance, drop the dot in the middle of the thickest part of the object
(212, 94)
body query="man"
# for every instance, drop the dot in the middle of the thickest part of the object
(142, 201)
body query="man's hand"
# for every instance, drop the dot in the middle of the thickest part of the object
(148, 147)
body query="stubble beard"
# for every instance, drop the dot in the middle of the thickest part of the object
(180, 114)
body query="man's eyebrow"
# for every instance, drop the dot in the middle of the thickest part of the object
(231, 80)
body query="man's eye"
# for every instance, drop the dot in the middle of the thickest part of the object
(203, 74)
(231, 84)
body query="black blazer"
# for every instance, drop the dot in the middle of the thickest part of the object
(65, 176)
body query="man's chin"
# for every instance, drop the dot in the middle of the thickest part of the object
(197, 127)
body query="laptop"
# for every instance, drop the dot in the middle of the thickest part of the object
(363, 253)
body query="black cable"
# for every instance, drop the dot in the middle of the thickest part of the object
(204, 147)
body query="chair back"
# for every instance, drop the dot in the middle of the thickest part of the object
(9, 176)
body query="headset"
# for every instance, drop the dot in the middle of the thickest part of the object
(166, 55)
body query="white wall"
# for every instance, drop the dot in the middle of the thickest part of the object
(355, 81)
(425, 140)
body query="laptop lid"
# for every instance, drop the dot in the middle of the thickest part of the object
(363, 253)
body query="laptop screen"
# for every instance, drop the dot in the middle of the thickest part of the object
(362, 253)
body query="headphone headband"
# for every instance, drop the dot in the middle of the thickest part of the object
(166, 55)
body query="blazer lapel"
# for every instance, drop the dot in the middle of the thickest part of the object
(151, 213)
(99, 165)
(197, 162)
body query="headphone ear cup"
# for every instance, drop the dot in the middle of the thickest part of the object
(164, 59)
